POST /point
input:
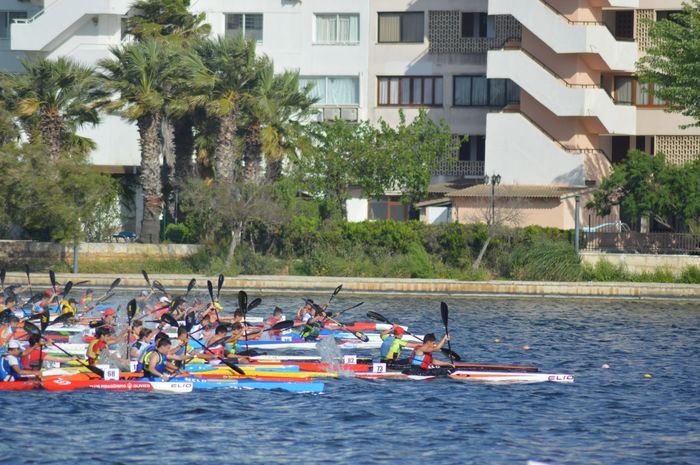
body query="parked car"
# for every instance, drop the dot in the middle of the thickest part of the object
(126, 236)
(614, 227)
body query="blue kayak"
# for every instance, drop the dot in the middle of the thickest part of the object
(204, 367)
(199, 383)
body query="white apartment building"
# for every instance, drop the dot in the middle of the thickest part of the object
(544, 89)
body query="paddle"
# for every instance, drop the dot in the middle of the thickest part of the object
(64, 318)
(31, 328)
(167, 318)
(29, 281)
(190, 286)
(243, 305)
(445, 316)
(376, 316)
(52, 277)
(340, 313)
(131, 309)
(148, 280)
(335, 293)
(253, 304)
(3, 272)
(219, 285)
(157, 285)
(66, 290)
(358, 334)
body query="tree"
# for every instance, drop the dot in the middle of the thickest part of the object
(672, 64)
(137, 80)
(226, 79)
(168, 19)
(221, 211)
(272, 119)
(56, 201)
(646, 186)
(53, 98)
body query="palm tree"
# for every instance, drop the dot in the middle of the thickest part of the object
(166, 19)
(52, 99)
(137, 79)
(273, 120)
(227, 79)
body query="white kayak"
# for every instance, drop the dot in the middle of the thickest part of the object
(493, 377)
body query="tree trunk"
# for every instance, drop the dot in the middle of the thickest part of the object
(477, 262)
(150, 178)
(167, 137)
(184, 149)
(253, 154)
(52, 135)
(236, 234)
(224, 157)
(274, 170)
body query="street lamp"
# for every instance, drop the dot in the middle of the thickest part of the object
(494, 180)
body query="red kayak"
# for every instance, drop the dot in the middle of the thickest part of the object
(62, 384)
(19, 385)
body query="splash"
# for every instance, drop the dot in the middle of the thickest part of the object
(330, 353)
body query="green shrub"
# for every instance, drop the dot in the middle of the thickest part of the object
(605, 271)
(250, 262)
(690, 275)
(177, 233)
(547, 260)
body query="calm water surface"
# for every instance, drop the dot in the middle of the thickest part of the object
(608, 416)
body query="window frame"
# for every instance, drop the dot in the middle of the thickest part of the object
(391, 201)
(243, 25)
(326, 78)
(411, 85)
(506, 95)
(486, 33)
(646, 103)
(336, 42)
(401, 14)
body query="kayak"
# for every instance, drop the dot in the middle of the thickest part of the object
(300, 387)
(205, 367)
(19, 385)
(495, 377)
(62, 384)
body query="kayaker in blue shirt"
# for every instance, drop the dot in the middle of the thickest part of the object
(422, 362)
(11, 368)
(154, 360)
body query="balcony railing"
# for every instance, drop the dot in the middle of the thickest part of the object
(460, 168)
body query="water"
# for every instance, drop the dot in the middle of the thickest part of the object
(608, 416)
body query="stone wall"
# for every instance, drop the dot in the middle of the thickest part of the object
(29, 251)
(640, 263)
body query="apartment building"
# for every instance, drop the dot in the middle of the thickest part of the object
(545, 89)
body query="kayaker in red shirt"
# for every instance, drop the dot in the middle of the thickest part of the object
(422, 362)
(97, 345)
(30, 355)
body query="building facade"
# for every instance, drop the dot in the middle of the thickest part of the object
(545, 89)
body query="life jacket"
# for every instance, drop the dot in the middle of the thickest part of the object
(32, 360)
(7, 371)
(311, 331)
(424, 361)
(94, 350)
(66, 307)
(145, 359)
(6, 334)
(386, 346)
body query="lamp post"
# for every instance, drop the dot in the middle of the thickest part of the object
(494, 180)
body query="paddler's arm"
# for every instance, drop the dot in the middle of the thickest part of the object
(155, 372)
(445, 338)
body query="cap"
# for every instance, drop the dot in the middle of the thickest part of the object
(164, 300)
(399, 331)
(13, 344)
(109, 312)
(144, 293)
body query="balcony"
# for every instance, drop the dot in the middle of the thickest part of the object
(460, 168)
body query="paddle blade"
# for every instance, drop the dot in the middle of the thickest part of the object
(80, 283)
(254, 304)
(169, 319)
(145, 276)
(243, 301)
(114, 284)
(361, 336)
(66, 290)
(378, 317)
(62, 319)
(190, 321)
(35, 298)
(233, 366)
(45, 319)
(31, 328)
(159, 286)
(282, 325)
(96, 323)
(26, 271)
(95, 370)
(219, 285)
(5, 316)
(451, 354)
(190, 286)
(3, 272)
(210, 288)
(444, 313)
(52, 277)
(131, 308)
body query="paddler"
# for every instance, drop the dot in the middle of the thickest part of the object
(312, 328)
(30, 356)
(141, 344)
(86, 298)
(11, 368)
(68, 306)
(421, 361)
(7, 331)
(178, 353)
(97, 345)
(153, 362)
(393, 342)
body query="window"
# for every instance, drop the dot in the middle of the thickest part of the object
(473, 149)
(478, 25)
(423, 90)
(333, 90)
(624, 24)
(629, 91)
(7, 18)
(477, 91)
(337, 28)
(401, 27)
(248, 25)
(388, 208)
(623, 90)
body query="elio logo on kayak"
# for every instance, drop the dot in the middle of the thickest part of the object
(561, 378)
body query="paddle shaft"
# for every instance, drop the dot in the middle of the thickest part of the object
(93, 369)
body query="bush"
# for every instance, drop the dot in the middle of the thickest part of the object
(690, 275)
(547, 260)
(605, 271)
(177, 234)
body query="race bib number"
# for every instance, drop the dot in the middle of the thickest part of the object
(350, 359)
(132, 365)
(379, 367)
(286, 338)
(112, 374)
